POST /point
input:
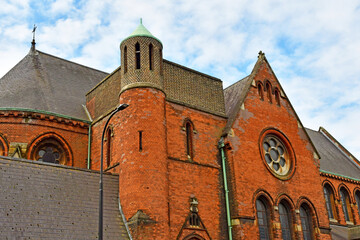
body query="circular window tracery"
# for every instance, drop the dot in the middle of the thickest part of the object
(50, 150)
(277, 154)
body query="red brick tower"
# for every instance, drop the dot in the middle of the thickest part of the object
(140, 142)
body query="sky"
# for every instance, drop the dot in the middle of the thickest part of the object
(312, 46)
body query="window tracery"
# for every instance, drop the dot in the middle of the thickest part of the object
(306, 222)
(276, 155)
(50, 148)
(345, 203)
(330, 202)
(357, 198)
(50, 151)
(263, 217)
(285, 221)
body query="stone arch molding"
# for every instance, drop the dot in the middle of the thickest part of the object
(50, 143)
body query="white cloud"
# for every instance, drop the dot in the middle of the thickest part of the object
(312, 46)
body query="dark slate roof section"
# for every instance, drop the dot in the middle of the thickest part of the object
(234, 96)
(49, 201)
(44, 82)
(332, 159)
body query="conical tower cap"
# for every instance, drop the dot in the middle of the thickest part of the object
(141, 31)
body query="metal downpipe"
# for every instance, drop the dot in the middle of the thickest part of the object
(221, 146)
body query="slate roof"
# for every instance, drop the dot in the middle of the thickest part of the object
(49, 201)
(44, 82)
(332, 159)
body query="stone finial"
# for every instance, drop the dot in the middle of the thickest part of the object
(261, 54)
(193, 204)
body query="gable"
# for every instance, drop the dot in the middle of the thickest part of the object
(262, 85)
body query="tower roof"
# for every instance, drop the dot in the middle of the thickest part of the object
(141, 31)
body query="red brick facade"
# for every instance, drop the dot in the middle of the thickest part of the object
(165, 149)
(25, 130)
(251, 179)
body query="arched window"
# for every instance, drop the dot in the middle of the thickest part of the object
(108, 146)
(3, 146)
(306, 222)
(345, 203)
(263, 218)
(137, 55)
(2, 149)
(277, 97)
(151, 57)
(194, 220)
(125, 59)
(50, 150)
(357, 198)
(329, 200)
(268, 91)
(285, 221)
(161, 62)
(260, 91)
(189, 139)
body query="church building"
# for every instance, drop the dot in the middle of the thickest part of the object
(186, 160)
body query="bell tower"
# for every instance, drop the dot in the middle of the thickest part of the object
(141, 60)
(141, 137)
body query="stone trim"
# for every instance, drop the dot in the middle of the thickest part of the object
(43, 115)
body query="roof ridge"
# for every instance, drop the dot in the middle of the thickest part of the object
(236, 82)
(72, 62)
(340, 147)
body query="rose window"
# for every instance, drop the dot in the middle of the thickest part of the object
(276, 155)
(50, 150)
(49, 154)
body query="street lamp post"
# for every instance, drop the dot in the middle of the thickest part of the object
(101, 196)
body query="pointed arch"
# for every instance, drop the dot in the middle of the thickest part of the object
(277, 96)
(189, 133)
(50, 147)
(309, 219)
(137, 55)
(260, 90)
(346, 204)
(268, 89)
(194, 236)
(151, 57)
(108, 138)
(286, 215)
(161, 61)
(330, 200)
(263, 215)
(4, 146)
(263, 205)
(357, 199)
(125, 59)
(307, 224)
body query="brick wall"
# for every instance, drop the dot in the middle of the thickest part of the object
(250, 177)
(200, 176)
(22, 128)
(351, 186)
(104, 96)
